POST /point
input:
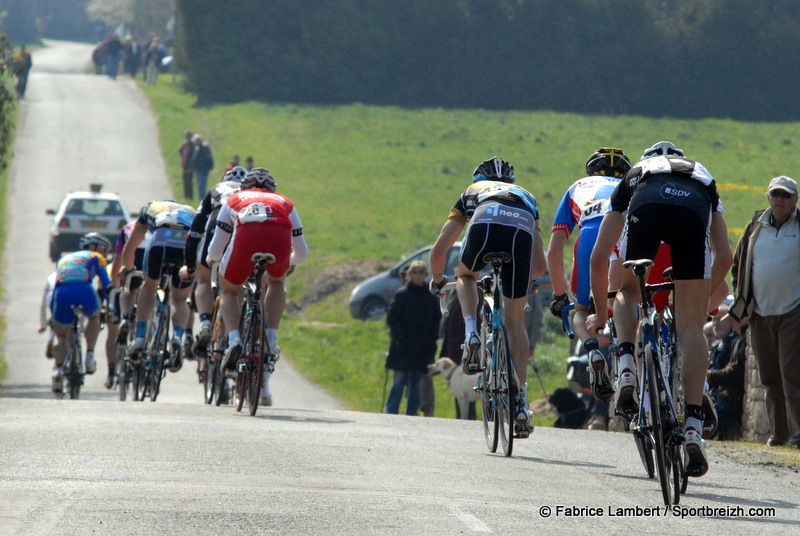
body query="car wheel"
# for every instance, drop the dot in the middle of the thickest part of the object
(55, 254)
(373, 308)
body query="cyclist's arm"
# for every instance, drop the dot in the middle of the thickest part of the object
(299, 246)
(539, 263)
(555, 261)
(447, 237)
(129, 251)
(222, 234)
(610, 230)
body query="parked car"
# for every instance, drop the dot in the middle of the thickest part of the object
(83, 212)
(370, 299)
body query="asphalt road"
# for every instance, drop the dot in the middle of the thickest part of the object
(305, 466)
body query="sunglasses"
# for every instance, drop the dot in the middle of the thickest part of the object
(783, 194)
(423, 272)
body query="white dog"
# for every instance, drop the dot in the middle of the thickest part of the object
(461, 385)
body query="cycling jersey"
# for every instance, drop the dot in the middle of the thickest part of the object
(159, 214)
(260, 221)
(502, 217)
(74, 275)
(204, 222)
(169, 222)
(584, 204)
(663, 169)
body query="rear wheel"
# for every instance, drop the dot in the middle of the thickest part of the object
(645, 447)
(506, 405)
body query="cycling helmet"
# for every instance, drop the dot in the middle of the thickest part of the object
(236, 174)
(662, 148)
(95, 239)
(259, 178)
(608, 161)
(494, 169)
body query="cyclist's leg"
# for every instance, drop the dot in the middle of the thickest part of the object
(514, 320)
(231, 304)
(691, 299)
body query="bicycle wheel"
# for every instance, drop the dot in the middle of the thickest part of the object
(139, 384)
(75, 380)
(663, 465)
(123, 375)
(242, 381)
(645, 447)
(504, 398)
(160, 355)
(255, 359)
(487, 388)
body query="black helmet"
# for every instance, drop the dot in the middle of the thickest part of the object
(609, 162)
(662, 148)
(494, 169)
(259, 178)
(95, 239)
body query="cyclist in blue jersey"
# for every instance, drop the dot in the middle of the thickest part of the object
(74, 275)
(499, 216)
(583, 205)
(665, 197)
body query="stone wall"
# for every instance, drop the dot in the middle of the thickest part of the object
(755, 425)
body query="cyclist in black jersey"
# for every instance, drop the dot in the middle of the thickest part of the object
(500, 217)
(667, 197)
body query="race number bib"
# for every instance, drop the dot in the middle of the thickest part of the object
(255, 213)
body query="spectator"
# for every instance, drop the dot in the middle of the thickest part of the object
(451, 332)
(248, 163)
(766, 261)
(99, 57)
(233, 163)
(725, 338)
(113, 56)
(413, 320)
(22, 67)
(185, 150)
(202, 163)
(728, 382)
(152, 63)
(132, 54)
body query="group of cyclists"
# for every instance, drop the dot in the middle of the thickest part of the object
(240, 216)
(623, 211)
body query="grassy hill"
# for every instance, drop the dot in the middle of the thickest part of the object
(372, 183)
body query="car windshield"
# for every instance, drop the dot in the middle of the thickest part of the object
(95, 207)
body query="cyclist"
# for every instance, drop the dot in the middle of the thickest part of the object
(502, 217)
(75, 273)
(169, 223)
(584, 204)
(670, 198)
(255, 220)
(195, 251)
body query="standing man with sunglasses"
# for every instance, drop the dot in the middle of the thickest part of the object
(765, 267)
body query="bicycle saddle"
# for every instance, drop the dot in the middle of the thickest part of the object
(501, 256)
(267, 258)
(638, 265)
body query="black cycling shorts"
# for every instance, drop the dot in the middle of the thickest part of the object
(676, 211)
(483, 238)
(159, 258)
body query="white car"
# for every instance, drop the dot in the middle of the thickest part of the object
(84, 212)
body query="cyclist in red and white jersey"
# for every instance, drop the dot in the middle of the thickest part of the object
(256, 220)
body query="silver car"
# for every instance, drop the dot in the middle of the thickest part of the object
(84, 212)
(370, 298)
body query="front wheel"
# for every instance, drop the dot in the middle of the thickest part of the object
(663, 464)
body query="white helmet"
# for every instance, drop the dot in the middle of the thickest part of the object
(662, 148)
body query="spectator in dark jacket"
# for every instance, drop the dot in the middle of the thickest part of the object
(413, 321)
(202, 163)
(186, 151)
(729, 384)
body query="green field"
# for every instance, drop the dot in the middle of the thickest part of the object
(372, 183)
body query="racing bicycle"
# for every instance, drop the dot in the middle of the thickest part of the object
(73, 364)
(256, 356)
